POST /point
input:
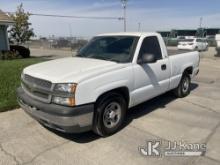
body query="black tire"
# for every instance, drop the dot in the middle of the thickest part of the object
(183, 88)
(100, 124)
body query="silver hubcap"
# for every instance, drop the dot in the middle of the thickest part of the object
(185, 85)
(112, 115)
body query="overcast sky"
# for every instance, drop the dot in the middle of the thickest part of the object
(152, 14)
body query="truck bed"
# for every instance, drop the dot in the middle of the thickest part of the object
(172, 52)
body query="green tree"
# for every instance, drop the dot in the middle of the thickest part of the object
(21, 31)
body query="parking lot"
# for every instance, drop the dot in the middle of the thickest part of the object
(50, 53)
(195, 119)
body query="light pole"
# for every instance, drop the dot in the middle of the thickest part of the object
(124, 5)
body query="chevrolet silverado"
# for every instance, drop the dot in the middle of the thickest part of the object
(112, 73)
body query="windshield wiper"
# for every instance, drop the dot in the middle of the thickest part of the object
(106, 59)
(79, 55)
(97, 57)
(114, 60)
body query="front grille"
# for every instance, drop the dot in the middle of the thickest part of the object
(37, 88)
(42, 95)
(37, 81)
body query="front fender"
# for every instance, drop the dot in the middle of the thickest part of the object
(88, 91)
(108, 87)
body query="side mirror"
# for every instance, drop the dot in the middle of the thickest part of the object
(147, 58)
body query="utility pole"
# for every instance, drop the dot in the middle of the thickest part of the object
(70, 30)
(124, 5)
(139, 26)
(200, 22)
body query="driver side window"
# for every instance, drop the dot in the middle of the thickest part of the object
(151, 45)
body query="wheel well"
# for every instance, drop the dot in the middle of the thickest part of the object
(188, 70)
(122, 91)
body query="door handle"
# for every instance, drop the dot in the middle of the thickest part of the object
(163, 67)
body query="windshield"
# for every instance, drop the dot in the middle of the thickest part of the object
(111, 48)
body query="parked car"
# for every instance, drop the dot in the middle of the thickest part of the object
(217, 38)
(20, 50)
(112, 73)
(198, 44)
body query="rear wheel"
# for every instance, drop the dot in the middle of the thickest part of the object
(109, 114)
(183, 88)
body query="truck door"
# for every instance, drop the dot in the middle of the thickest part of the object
(151, 79)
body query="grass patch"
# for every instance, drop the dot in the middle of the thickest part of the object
(10, 72)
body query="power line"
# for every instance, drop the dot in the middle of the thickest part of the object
(79, 17)
(71, 16)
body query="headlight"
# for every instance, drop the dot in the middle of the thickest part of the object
(64, 94)
(69, 101)
(65, 88)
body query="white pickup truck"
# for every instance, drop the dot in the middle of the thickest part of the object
(94, 89)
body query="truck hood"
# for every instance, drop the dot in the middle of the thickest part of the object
(73, 69)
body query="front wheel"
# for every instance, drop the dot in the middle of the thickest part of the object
(183, 88)
(109, 114)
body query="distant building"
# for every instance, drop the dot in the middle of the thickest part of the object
(164, 34)
(5, 21)
(208, 32)
(183, 33)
